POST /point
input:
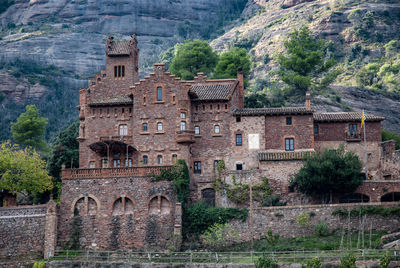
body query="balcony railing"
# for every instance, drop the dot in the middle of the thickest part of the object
(124, 139)
(281, 156)
(353, 136)
(185, 136)
(113, 172)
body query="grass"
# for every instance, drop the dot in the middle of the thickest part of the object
(330, 242)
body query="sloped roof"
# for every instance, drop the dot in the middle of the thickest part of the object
(117, 48)
(114, 100)
(345, 116)
(212, 91)
(272, 111)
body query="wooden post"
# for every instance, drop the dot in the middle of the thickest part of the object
(251, 215)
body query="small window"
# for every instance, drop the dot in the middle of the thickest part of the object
(159, 159)
(173, 98)
(117, 163)
(183, 115)
(122, 110)
(238, 139)
(130, 110)
(144, 100)
(239, 166)
(238, 119)
(353, 129)
(119, 71)
(94, 111)
(159, 94)
(145, 159)
(204, 107)
(101, 110)
(226, 106)
(197, 130)
(210, 107)
(289, 144)
(123, 71)
(218, 107)
(197, 108)
(145, 127)
(174, 158)
(108, 110)
(183, 125)
(123, 130)
(215, 164)
(115, 71)
(91, 164)
(316, 129)
(115, 110)
(289, 121)
(216, 129)
(128, 162)
(197, 167)
(159, 126)
(104, 163)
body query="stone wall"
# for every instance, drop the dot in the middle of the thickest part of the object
(22, 231)
(282, 220)
(118, 213)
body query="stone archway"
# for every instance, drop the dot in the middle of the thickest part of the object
(391, 197)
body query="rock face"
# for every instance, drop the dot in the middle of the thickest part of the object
(19, 91)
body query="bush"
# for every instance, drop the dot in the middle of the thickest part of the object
(303, 220)
(385, 261)
(219, 236)
(321, 229)
(348, 261)
(313, 263)
(265, 262)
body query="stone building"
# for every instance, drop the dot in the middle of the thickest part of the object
(131, 129)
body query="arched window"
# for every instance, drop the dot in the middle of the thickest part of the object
(183, 115)
(159, 126)
(174, 158)
(391, 197)
(123, 206)
(216, 129)
(145, 160)
(145, 127)
(159, 205)
(159, 159)
(183, 125)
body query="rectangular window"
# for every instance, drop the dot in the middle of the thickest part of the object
(289, 144)
(197, 130)
(117, 163)
(238, 139)
(197, 167)
(145, 159)
(122, 110)
(91, 164)
(289, 121)
(174, 158)
(159, 94)
(316, 129)
(159, 159)
(238, 119)
(94, 111)
(216, 129)
(104, 163)
(115, 110)
(183, 115)
(159, 126)
(119, 71)
(145, 127)
(352, 129)
(123, 71)
(239, 166)
(128, 162)
(115, 71)
(183, 125)
(215, 163)
(123, 130)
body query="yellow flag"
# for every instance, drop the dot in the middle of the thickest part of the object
(363, 117)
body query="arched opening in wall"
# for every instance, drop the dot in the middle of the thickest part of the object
(85, 206)
(159, 205)
(123, 206)
(208, 196)
(80, 207)
(92, 206)
(354, 198)
(391, 197)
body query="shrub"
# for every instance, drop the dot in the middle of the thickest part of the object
(219, 236)
(313, 263)
(303, 220)
(385, 261)
(348, 261)
(265, 262)
(272, 239)
(321, 229)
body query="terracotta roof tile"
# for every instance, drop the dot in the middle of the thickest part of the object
(114, 100)
(117, 48)
(345, 116)
(212, 91)
(272, 111)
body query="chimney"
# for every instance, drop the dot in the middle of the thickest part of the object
(308, 101)
(241, 87)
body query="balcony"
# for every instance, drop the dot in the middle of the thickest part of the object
(353, 136)
(185, 136)
(81, 173)
(284, 156)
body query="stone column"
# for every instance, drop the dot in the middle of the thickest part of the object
(50, 231)
(178, 226)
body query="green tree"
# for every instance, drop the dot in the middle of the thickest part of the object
(230, 61)
(22, 170)
(219, 236)
(193, 57)
(390, 135)
(29, 129)
(327, 172)
(305, 59)
(368, 75)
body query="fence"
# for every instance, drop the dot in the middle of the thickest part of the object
(220, 257)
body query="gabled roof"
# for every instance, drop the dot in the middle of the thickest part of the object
(117, 48)
(272, 111)
(114, 100)
(345, 117)
(211, 91)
